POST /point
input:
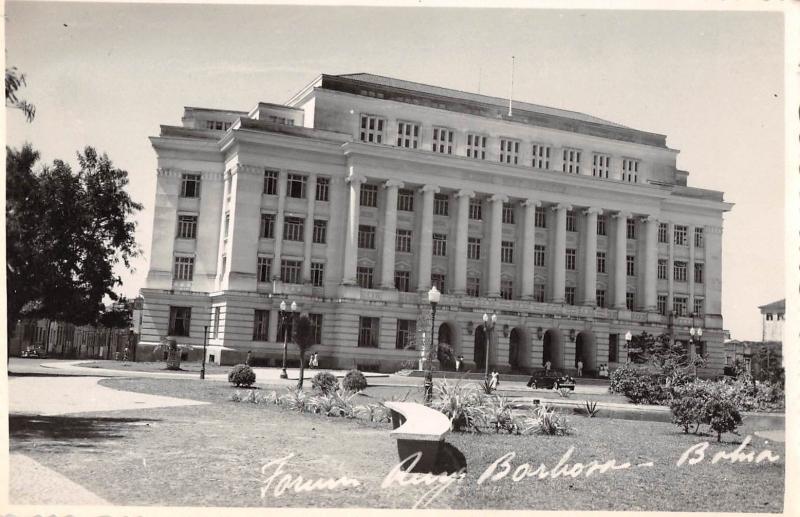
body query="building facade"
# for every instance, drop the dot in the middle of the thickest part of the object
(772, 318)
(361, 192)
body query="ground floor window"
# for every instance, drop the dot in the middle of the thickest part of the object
(316, 328)
(260, 325)
(613, 348)
(405, 333)
(179, 321)
(368, 332)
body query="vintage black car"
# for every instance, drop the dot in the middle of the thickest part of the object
(34, 353)
(551, 380)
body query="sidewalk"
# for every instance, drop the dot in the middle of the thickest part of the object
(31, 483)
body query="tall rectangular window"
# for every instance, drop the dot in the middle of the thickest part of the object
(662, 269)
(601, 225)
(476, 146)
(267, 230)
(698, 272)
(507, 252)
(630, 170)
(316, 328)
(323, 187)
(538, 255)
(402, 241)
(679, 271)
(215, 324)
(441, 204)
(405, 200)
(180, 321)
(600, 165)
(613, 348)
(438, 281)
(572, 225)
(320, 233)
(296, 186)
(506, 289)
(190, 185)
(291, 271)
(663, 233)
(439, 245)
(366, 237)
(293, 228)
(699, 305)
(630, 301)
(364, 277)
(679, 305)
(369, 195)
(540, 217)
(508, 213)
(473, 248)
(699, 241)
(473, 286)
(570, 259)
(475, 209)
(368, 332)
(271, 183)
(538, 292)
(402, 281)
(680, 235)
(601, 261)
(630, 265)
(263, 269)
(406, 329)
(661, 304)
(184, 268)
(318, 274)
(630, 228)
(442, 140)
(569, 295)
(260, 325)
(187, 226)
(371, 129)
(541, 156)
(600, 297)
(407, 135)
(509, 151)
(571, 161)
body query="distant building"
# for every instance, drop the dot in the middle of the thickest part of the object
(772, 316)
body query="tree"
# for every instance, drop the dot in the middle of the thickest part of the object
(13, 83)
(117, 315)
(65, 233)
(304, 339)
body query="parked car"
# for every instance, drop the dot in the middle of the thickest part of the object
(551, 380)
(34, 353)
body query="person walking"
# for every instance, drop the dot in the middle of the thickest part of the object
(125, 355)
(458, 363)
(580, 368)
(494, 381)
(249, 358)
(547, 366)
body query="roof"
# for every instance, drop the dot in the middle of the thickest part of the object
(475, 97)
(779, 306)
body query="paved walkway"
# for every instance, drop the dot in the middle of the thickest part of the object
(778, 435)
(32, 483)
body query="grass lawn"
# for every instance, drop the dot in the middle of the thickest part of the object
(155, 366)
(212, 455)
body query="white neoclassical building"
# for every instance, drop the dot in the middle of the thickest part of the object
(362, 191)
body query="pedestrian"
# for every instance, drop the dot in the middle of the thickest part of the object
(580, 368)
(314, 361)
(249, 358)
(494, 381)
(116, 355)
(125, 355)
(547, 366)
(458, 363)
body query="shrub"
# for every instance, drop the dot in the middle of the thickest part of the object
(295, 399)
(324, 382)
(495, 413)
(354, 381)
(235, 396)
(591, 408)
(459, 402)
(565, 392)
(375, 413)
(547, 422)
(241, 375)
(688, 406)
(715, 403)
(723, 417)
(638, 385)
(334, 403)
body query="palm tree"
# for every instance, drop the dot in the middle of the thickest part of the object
(13, 82)
(304, 339)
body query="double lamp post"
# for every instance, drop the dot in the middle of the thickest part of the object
(286, 318)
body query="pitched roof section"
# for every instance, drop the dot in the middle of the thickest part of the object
(779, 306)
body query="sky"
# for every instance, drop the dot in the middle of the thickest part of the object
(107, 75)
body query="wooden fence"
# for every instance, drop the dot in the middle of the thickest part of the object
(60, 339)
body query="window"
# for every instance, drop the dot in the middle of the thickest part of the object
(187, 226)
(475, 209)
(600, 297)
(630, 265)
(506, 289)
(508, 213)
(402, 241)
(571, 223)
(779, 316)
(184, 268)
(180, 319)
(630, 300)
(364, 276)
(662, 269)
(405, 333)
(440, 204)
(438, 280)
(320, 233)
(366, 237)
(473, 286)
(538, 255)
(215, 325)
(405, 200)
(368, 332)
(442, 140)
(316, 328)
(296, 186)
(293, 228)
(507, 252)
(317, 274)
(323, 186)
(439, 245)
(509, 151)
(267, 230)
(769, 316)
(572, 161)
(680, 235)
(541, 156)
(613, 348)
(402, 281)
(263, 269)
(217, 125)
(570, 259)
(600, 165)
(190, 185)
(679, 271)
(476, 146)
(540, 217)
(630, 228)
(369, 195)
(601, 261)
(630, 170)
(371, 129)
(698, 272)
(260, 325)
(663, 233)
(699, 305)
(227, 226)
(679, 305)
(538, 292)
(407, 135)
(601, 225)
(661, 304)
(473, 248)
(699, 241)
(271, 183)
(569, 295)
(290, 271)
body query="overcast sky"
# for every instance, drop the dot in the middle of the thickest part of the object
(107, 75)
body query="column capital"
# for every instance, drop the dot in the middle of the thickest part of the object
(355, 179)
(242, 168)
(429, 188)
(531, 202)
(465, 193)
(593, 210)
(561, 206)
(622, 215)
(649, 219)
(502, 198)
(393, 183)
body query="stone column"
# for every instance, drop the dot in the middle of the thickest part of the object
(495, 242)
(276, 259)
(462, 235)
(308, 234)
(389, 231)
(426, 238)
(650, 263)
(559, 253)
(528, 247)
(590, 257)
(690, 270)
(670, 265)
(620, 254)
(351, 238)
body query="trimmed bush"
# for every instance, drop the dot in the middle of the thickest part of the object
(354, 381)
(715, 403)
(723, 417)
(639, 385)
(324, 382)
(688, 406)
(242, 375)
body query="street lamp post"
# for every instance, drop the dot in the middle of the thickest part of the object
(205, 341)
(692, 333)
(286, 318)
(488, 327)
(628, 338)
(433, 297)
